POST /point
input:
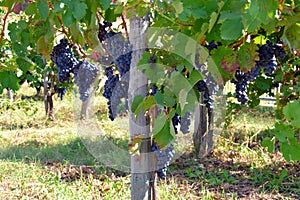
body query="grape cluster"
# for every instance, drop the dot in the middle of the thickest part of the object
(120, 49)
(176, 121)
(213, 45)
(267, 61)
(64, 59)
(164, 157)
(120, 53)
(110, 84)
(84, 78)
(267, 56)
(241, 83)
(153, 89)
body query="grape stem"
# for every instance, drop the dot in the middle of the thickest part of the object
(125, 26)
(4, 24)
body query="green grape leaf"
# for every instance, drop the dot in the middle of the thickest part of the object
(43, 8)
(159, 123)
(145, 105)
(185, 15)
(10, 80)
(232, 29)
(7, 3)
(195, 76)
(105, 4)
(178, 6)
(159, 98)
(212, 21)
(31, 9)
(24, 63)
(267, 142)
(292, 112)
(79, 10)
(173, 85)
(77, 34)
(169, 101)
(292, 36)
(136, 102)
(283, 131)
(247, 55)
(141, 11)
(44, 46)
(165, 136)
(251, 23)
(291, 150)
(110, 15)
(263, 10)
(67, 18)
(199, 12)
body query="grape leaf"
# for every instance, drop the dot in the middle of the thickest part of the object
(292, 112)
(10, 80)
(292, 36)
(267, 142)
(67, 17)
(145, 105)
(263, 10)
(105, 4)
(159, 98)
(7, 3)
(251, 23)
(43, 46)
(232, 29)
(77, 34)
(43, 8)
(136, 102)
(199, 12)
(31, 9)
(283, 131)
(159, 123)
(247, 55)
(79, 10)
(291, 150)
(178, 5)
(165, 136)
(23, 64)
(212, 21)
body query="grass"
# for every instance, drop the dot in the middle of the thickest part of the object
(44, 159)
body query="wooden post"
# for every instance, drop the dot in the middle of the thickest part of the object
(203, 133)
(142, 166)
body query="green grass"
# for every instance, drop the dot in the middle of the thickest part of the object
(44, 159)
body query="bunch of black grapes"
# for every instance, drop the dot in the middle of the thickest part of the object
(269, 53)
(64, 60)
(120, 52)
(267, 56)
(110, 84)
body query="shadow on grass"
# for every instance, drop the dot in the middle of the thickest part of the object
(73, 153)
(237, 181)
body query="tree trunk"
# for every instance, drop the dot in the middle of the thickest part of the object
(142, 165)
(203, 133)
